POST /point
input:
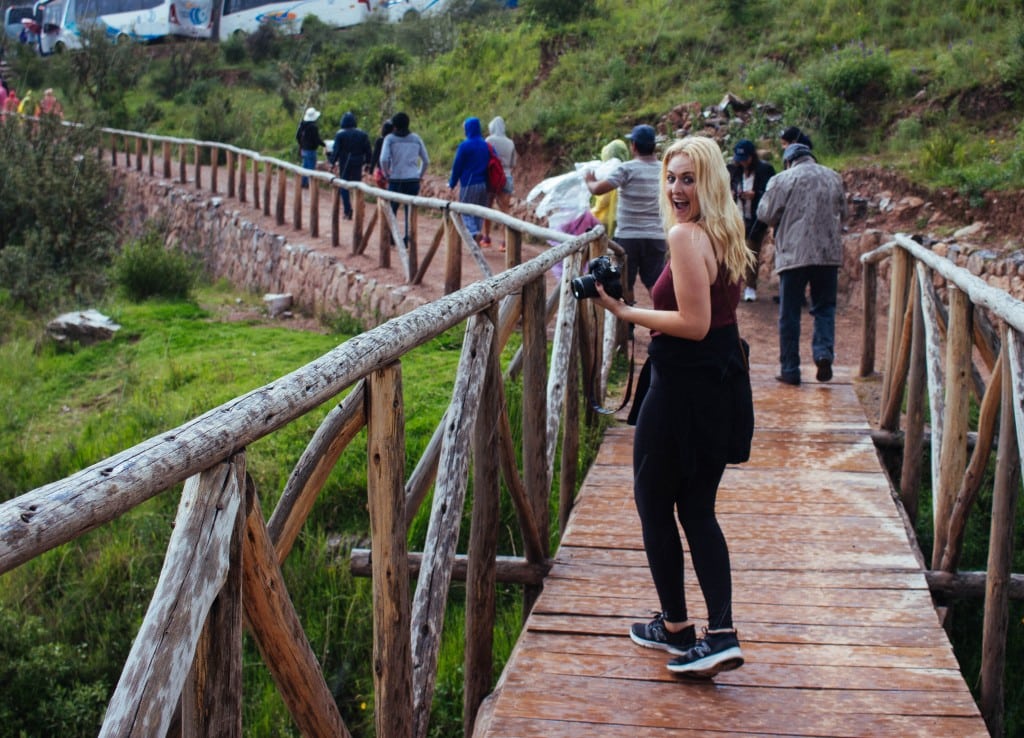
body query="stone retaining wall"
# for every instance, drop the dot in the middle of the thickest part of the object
(221, 233)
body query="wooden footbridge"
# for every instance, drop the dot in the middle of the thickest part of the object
(835, 617)
(836, 612)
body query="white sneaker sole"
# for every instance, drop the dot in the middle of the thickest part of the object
(709, 666)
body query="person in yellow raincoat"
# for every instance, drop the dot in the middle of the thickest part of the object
(603, 207)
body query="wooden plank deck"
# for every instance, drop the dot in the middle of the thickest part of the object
(832, 609)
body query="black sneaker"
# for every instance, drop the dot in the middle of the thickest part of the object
(824, 369)
(655, 635)
(717, 651)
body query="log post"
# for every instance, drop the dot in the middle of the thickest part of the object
(453, 258)
(953, 455)
(197, 562)
(197, 153)
(211, 703)
(243, 180)
(214, 168)
(913, 446)
(411, 257)
(534, 401)
(277, 631)
(151, 160)
(392, 646)
(267, 177)
(314, 208)
(481, 577)
(358, 218)
(231, 172)
(1000, 550)
(336, 221)
(182, 164)
(297, 200)
(282, 191)
(167, 159)
(138, 154)
(439, 548)
(899, 274)
(570, 438)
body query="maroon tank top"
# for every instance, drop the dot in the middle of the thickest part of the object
(725, 296)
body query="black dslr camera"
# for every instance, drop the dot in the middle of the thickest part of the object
(601, 270)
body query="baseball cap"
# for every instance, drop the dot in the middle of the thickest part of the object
(642, 135)
(796, 151)
(744, 150)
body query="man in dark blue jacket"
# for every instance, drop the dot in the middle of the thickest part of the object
(351, 156)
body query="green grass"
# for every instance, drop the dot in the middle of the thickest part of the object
(68, 408)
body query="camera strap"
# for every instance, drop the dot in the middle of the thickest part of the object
(595, 405)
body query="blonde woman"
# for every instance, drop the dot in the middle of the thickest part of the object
(697, 414)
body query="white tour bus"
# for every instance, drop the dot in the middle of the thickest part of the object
(246, 16)
(141, 20)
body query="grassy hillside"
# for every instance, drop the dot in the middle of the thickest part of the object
(934, 89)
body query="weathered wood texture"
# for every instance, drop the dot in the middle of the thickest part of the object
(833, 611)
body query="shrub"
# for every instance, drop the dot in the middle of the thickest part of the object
(56, 215)
(146, 269)
(234, 50)
(381, 60)
(559, 11)
(263, 44)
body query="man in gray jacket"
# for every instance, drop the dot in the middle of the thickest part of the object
(806, 206)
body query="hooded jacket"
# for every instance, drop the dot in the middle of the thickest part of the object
(403, 155)
(503, 145)
(352, 151)
(806, 205)
(470, 165)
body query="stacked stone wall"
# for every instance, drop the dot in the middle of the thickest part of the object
(220, 232)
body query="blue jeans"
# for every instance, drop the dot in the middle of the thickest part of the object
(308, 162)
(824, 281)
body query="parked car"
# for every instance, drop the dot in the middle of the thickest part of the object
(20, 24)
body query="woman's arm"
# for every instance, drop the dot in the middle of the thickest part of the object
(694, 268)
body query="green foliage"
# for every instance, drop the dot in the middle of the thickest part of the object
(264, 44)
(56, 214)
(101, 74)
(383, 61)
(145, 268)
(44, 688)
(188, 63)
(558, 11)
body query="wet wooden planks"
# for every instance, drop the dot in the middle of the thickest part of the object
(834, 615)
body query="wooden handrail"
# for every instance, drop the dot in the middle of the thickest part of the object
(919, 324)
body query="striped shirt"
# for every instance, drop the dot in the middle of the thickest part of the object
(638, 214)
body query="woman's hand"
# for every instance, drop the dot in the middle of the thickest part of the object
(609, 303)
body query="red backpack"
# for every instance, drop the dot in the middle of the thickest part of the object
(495, 172)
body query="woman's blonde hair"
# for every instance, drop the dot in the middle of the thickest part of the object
(718, 214)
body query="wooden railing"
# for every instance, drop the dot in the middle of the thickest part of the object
(941, 319)
(262, 180)
(222, 570)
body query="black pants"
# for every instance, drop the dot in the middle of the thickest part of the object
(672, 477)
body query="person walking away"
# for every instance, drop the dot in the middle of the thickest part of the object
(49, 105)
(404, 161)
(505, 148)
(697, 414)
(806, 207)
(639, 228)
(792, 135)
(379, 180)
(308, 138)
(469, 172)
(749, 178)
(351, 156)
(603, 207)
